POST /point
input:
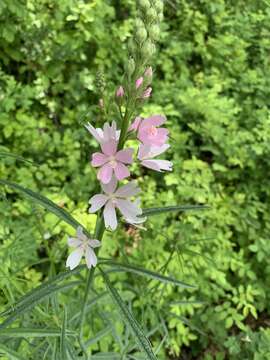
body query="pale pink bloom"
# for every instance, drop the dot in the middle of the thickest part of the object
(112, 162)
(108, 133)
(139, 82)
(120, 91)
(147, 93)
(84, 247)
(150, 134)
(112, 199)
(148, 72)
(147, 153)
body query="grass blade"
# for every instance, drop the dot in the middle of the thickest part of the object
(63, 346)
(33, 332)
(17, 157)
(144, 272)
(177, 208)
(47, 204)
(128, 318)
(99, 335)
(13, 355)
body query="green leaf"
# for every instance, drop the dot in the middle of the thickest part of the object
(144, 272)
(47, 204)
(63, 346)
(32, 301)
(19, 158)
(99, 335)
(106, 356)
(13, 355)
(128, 318)
(160, 210)
(33, 332)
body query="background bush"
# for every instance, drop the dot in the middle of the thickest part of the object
(212, 81)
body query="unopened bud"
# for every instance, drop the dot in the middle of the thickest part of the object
(130, 66)
(139, 82)
(144, 4)
(147, 93)
(148, 49)
(148, 72)
(131, 47)
(141, 34)
(154, 32)
(101, 103)
(151, 14)
(100, 81)
(120, 92)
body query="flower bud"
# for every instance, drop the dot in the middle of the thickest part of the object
(101, 103)
(154, 32)
(147, 93)
(130, 66)
(120, 92)
(139, 82)
(141, 34)
(149, 72)
(151, 14)
(100, 81)
(144, 4)
(148, 49)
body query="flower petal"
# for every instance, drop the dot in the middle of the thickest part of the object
(110, 216)
(97, 201)
(143, 152)
(74, 258)
(158, 165)
(93, 132)
(105, 173)
(98, 159)
(90, 257)
(80, 234)
(125, 156)
(73, 242)
(109, 148)
(110, 187)
(134, 126)
(155, 120)
(127, 208)
(128, 190)
(121, 171)
(94, 243)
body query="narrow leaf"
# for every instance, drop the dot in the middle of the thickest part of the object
(144, 272)
(13, 355)
(99, 335)
(33, 332)
(63, 346)
(47, 204)
(128, 318)
(160, 210)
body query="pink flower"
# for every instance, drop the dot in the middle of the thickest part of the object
(149, 134)
(147, 153)
(139, 82)
(108, 133)
(119, 199)
(134, 126)
(148, 72)
(112, 161)
(120, 91)
(84, 246)
(147, 93)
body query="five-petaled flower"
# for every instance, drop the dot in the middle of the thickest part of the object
(112, 162)
(84, 247)
(112, 199)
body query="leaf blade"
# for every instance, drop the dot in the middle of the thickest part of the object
(174, 208)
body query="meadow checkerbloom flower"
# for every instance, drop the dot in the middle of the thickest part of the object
(113, 199)
(84, 247)
(109, 132)
(112, 162)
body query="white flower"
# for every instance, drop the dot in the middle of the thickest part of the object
(84, 246)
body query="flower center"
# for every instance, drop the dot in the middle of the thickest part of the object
(152, 131)
(112, 162)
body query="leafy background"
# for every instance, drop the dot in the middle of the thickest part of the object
(212, 81)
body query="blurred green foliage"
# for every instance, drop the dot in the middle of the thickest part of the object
(212, 81)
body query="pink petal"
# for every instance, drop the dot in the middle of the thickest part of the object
(143, 152)
(127, 208)
(146, 94)
(98, 159)
(74, 242)
(158, 165)
(74, 258)
(125, 156)
(121, 171)
(155, 120)
(120, 91)
(110, 216)
(134, 126)
(157, 150)
(97, 201)
(90, 258)
(128, 190)
(105, 173)
(109, 148)
(139, 82)
(110, 187)
(93, 132)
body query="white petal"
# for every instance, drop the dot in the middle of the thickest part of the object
(110, 187)
(143, 152)
(158, 165)
(110, 216)
(128, 190)
(128, 209)
(157, 150)
(74, 258)
(74, 242)
(80, 234)
(94, 243)
(90, 258)
(97, 201)
(93, 132)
